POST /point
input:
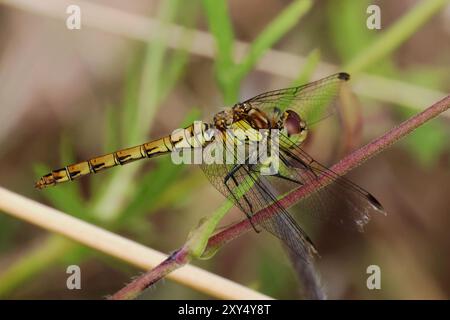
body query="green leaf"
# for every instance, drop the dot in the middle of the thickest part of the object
(8, 228)
(66, 152)
(193, 115)
(397, 34)
(175, 69)
(220, 26)
(153, 68)
(109, 204)
(66, 196)
(178, 59)
(344, 15)
(274, 286)
(112, 130)
(35, 261)
(428, 142)
(153, 184)
(128, 108)
(277, 28)
(150, 187)
(311, 63)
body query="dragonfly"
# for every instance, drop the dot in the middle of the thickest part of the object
(290, 112)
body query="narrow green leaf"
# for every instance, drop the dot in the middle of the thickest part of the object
(150, 187)
(153, 68)
(392, 38)
(66, 152)
(344, 15)
(128, 127)
(35, 261)
(176, 67)
(178, 59)
(113, 196)
(153, 184)
(72, 192)
(428, 142)
(220, 26)
(8, 228)
(193, 115)
(312, 61)
(112, 130)
(285, 21)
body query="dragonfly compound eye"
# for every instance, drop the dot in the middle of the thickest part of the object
(293, 123)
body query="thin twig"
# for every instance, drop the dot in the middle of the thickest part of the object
(180, 257)
(119, 247)
(138, 27)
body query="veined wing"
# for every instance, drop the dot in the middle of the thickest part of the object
(335, 199)
(251, 193)
(313, 101)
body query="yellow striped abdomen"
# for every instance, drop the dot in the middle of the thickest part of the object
(182, 137)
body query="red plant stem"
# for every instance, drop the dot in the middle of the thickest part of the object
(134, 288)
(348, 163)
(341, 168)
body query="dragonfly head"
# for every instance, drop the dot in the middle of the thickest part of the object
(294, 125)
(223, 119)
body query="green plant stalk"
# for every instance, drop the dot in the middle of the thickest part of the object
(35, 261)
(277, 28)
(311, 63)
(153, 70)
(198, 238)
(391, 39)
(343, 16)
(112, 140)
(220, 26)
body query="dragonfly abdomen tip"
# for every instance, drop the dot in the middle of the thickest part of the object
(375, 203)
(40, 184)
(344, 76)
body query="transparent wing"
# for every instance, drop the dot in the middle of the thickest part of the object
(335, 198)
(313, 101)
(251, 193)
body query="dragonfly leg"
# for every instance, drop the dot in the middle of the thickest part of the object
(231, 176)
(287, 178)
(290, 159)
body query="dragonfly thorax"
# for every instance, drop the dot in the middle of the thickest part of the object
(289, 121)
